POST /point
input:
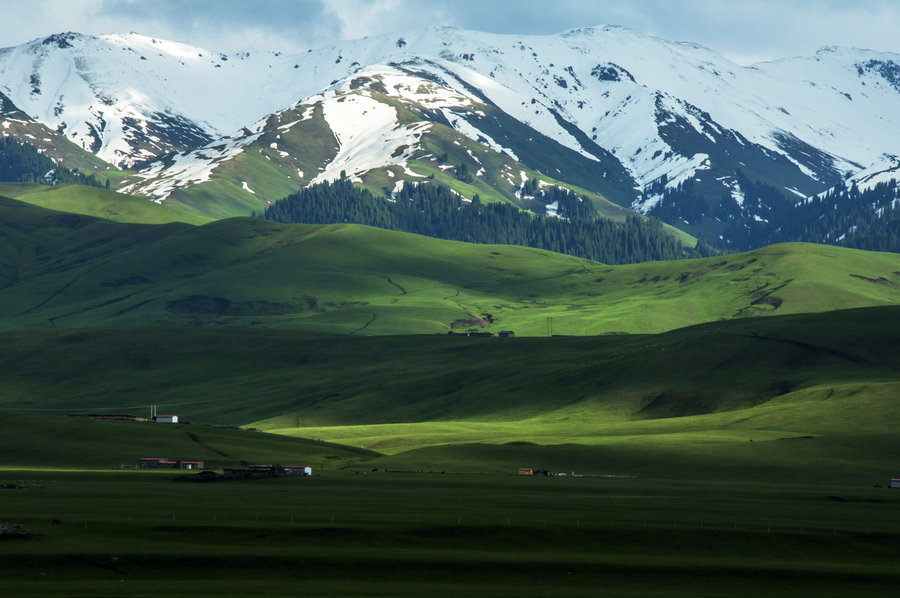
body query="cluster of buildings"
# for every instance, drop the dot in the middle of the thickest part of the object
(244, 473)
(163, 463)
(125, 417)
(476, 332)
(532, 471)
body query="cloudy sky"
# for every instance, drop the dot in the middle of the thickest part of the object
(743, 30)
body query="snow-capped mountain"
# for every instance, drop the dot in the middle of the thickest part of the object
(629, 116)
(128, 98)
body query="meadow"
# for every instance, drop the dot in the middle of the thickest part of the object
(388, 534)
(65, 270)
(763, 482)
(99, 203)
(761, 394)
(726, 426)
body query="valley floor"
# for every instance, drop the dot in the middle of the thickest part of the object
(372, 533)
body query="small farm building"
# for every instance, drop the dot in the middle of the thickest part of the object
(166, 419)
(532, 471)
(163, 463)
(298, 469)
(506, 334)
(895, 483)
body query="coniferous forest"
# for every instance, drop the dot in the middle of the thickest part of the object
(21, 162)
(845, 216)
(436, 211)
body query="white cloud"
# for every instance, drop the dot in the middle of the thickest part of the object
(743, 30)
(364, 18)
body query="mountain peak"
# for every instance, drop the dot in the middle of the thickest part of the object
(62, 40)
(608, 109)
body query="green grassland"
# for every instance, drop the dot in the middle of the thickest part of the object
(388, 534)
(790, 397)
(99, 203)
(61, 270)
(742, 422)
(46, 441)
(741, 458)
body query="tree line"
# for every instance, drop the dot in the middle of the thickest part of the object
(845, 216)
(436, 211)
(21, 162)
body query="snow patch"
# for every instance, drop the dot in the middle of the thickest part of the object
(286, 128)
(369, 135)
(466, 128)
(737, 194)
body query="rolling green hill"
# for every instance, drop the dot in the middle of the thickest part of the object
(100, 203)
(44, 441)
(739, 398)
(65, 270)
(328, 332)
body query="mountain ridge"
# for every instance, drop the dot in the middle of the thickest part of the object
(639, 115)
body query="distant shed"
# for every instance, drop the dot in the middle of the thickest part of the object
(298, 469)
(506, 334)
(166, 419)
(895, 483)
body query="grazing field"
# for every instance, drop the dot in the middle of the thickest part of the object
(64, 270)
(715, 453)
(389, 534)
(793, 397)
(64, 442)
(99, 203)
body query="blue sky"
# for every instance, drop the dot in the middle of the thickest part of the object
(743, 30)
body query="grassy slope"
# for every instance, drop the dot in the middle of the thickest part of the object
(56, 145)
(714, 386)
(263, 165)
(812, 393)
(785, 398)
(54, 441)
(100, 203)
(74, 271)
